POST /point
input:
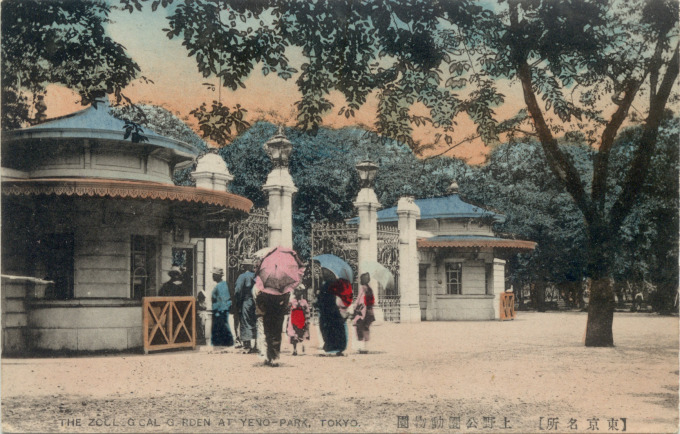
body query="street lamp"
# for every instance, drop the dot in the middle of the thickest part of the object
(279, 148)
(367, 171)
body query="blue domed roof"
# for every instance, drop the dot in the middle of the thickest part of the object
(451, 206)
(97, 122)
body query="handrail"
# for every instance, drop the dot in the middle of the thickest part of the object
(168, 322)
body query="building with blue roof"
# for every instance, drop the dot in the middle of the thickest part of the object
(92, 223)
(461, 258)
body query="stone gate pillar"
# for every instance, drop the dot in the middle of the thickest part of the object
(212, 173)
(498, 285)
(409, 304)
(280, 189)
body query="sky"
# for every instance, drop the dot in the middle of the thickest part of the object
(179, 87)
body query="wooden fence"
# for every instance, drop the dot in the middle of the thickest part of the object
(507, 305)
(169, 322)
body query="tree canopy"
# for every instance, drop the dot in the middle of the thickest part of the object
(58, 42)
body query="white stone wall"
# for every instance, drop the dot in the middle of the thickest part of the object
(74, 327)
(478, 297)
(464, 307)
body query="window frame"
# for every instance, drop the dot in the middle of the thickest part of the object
(149, 255)
(453, 288)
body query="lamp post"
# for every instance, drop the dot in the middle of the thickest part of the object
(280, 188)
(279, 148)
(367, 172)
(367, 208)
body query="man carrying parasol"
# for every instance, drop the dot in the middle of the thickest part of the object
(279, 272)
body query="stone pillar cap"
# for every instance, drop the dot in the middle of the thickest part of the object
(407, 204)
(211, 163)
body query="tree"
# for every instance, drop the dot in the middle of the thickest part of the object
(516, 181)
(447, 57)
(613, 50)
(58, 42)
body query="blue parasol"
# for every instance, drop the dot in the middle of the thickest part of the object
(335, 265)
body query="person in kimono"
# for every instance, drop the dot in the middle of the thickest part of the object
(243, 293)
(221, 302)
(334, 298)
(363, 315)
(298, 320)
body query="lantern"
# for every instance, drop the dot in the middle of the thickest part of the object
(367, 171)
(279, 148)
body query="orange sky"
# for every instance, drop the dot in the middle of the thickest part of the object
(179, 87)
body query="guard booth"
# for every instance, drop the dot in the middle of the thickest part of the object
(99, 216)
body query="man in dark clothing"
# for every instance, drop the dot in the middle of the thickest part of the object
(173, 287)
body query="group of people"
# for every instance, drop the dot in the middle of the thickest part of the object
(260, 312)
(336, 303)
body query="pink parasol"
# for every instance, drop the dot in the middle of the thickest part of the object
(279, 272)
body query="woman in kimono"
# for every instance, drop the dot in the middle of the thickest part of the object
(298, 320)
(363, 312)
(335, 296)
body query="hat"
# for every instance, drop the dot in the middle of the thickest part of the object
(301, 287)
(247, 261)
(174, 271)
(218, 270)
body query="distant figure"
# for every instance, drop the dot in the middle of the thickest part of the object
(187, 281)
(173, 287)
(245, 308)
(221, 302)
(201, 314)
(335, 296)
(363, 312)
(298, 322)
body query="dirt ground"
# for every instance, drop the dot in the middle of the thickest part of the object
(528, 375)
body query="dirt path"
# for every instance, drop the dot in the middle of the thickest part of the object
(517, 376)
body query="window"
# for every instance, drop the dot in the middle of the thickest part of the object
(55, 262)
(454, 274)
(143, 266)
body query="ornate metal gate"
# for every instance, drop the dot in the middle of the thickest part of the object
(244, 238)
(337, 239)
(343, 241)
(388, 256)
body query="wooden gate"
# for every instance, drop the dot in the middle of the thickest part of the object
(168, 322)
(507, 306)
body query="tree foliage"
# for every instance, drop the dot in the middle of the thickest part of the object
(58, 42)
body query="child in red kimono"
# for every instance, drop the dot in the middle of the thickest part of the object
(298, 321)
(363, 312)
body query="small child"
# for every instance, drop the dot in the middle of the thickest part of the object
(363, 312)
(298, 321)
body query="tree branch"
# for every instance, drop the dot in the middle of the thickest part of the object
(601, 163)
(643, 154)
(558, 162)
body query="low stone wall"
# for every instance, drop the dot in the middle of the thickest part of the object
(464, 307)
(85, 325)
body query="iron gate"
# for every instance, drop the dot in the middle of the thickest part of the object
(342, 240)
(244, 238)
(338, 239)
(388, 256)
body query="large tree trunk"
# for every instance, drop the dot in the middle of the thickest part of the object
(601, 305)
(600, 314)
